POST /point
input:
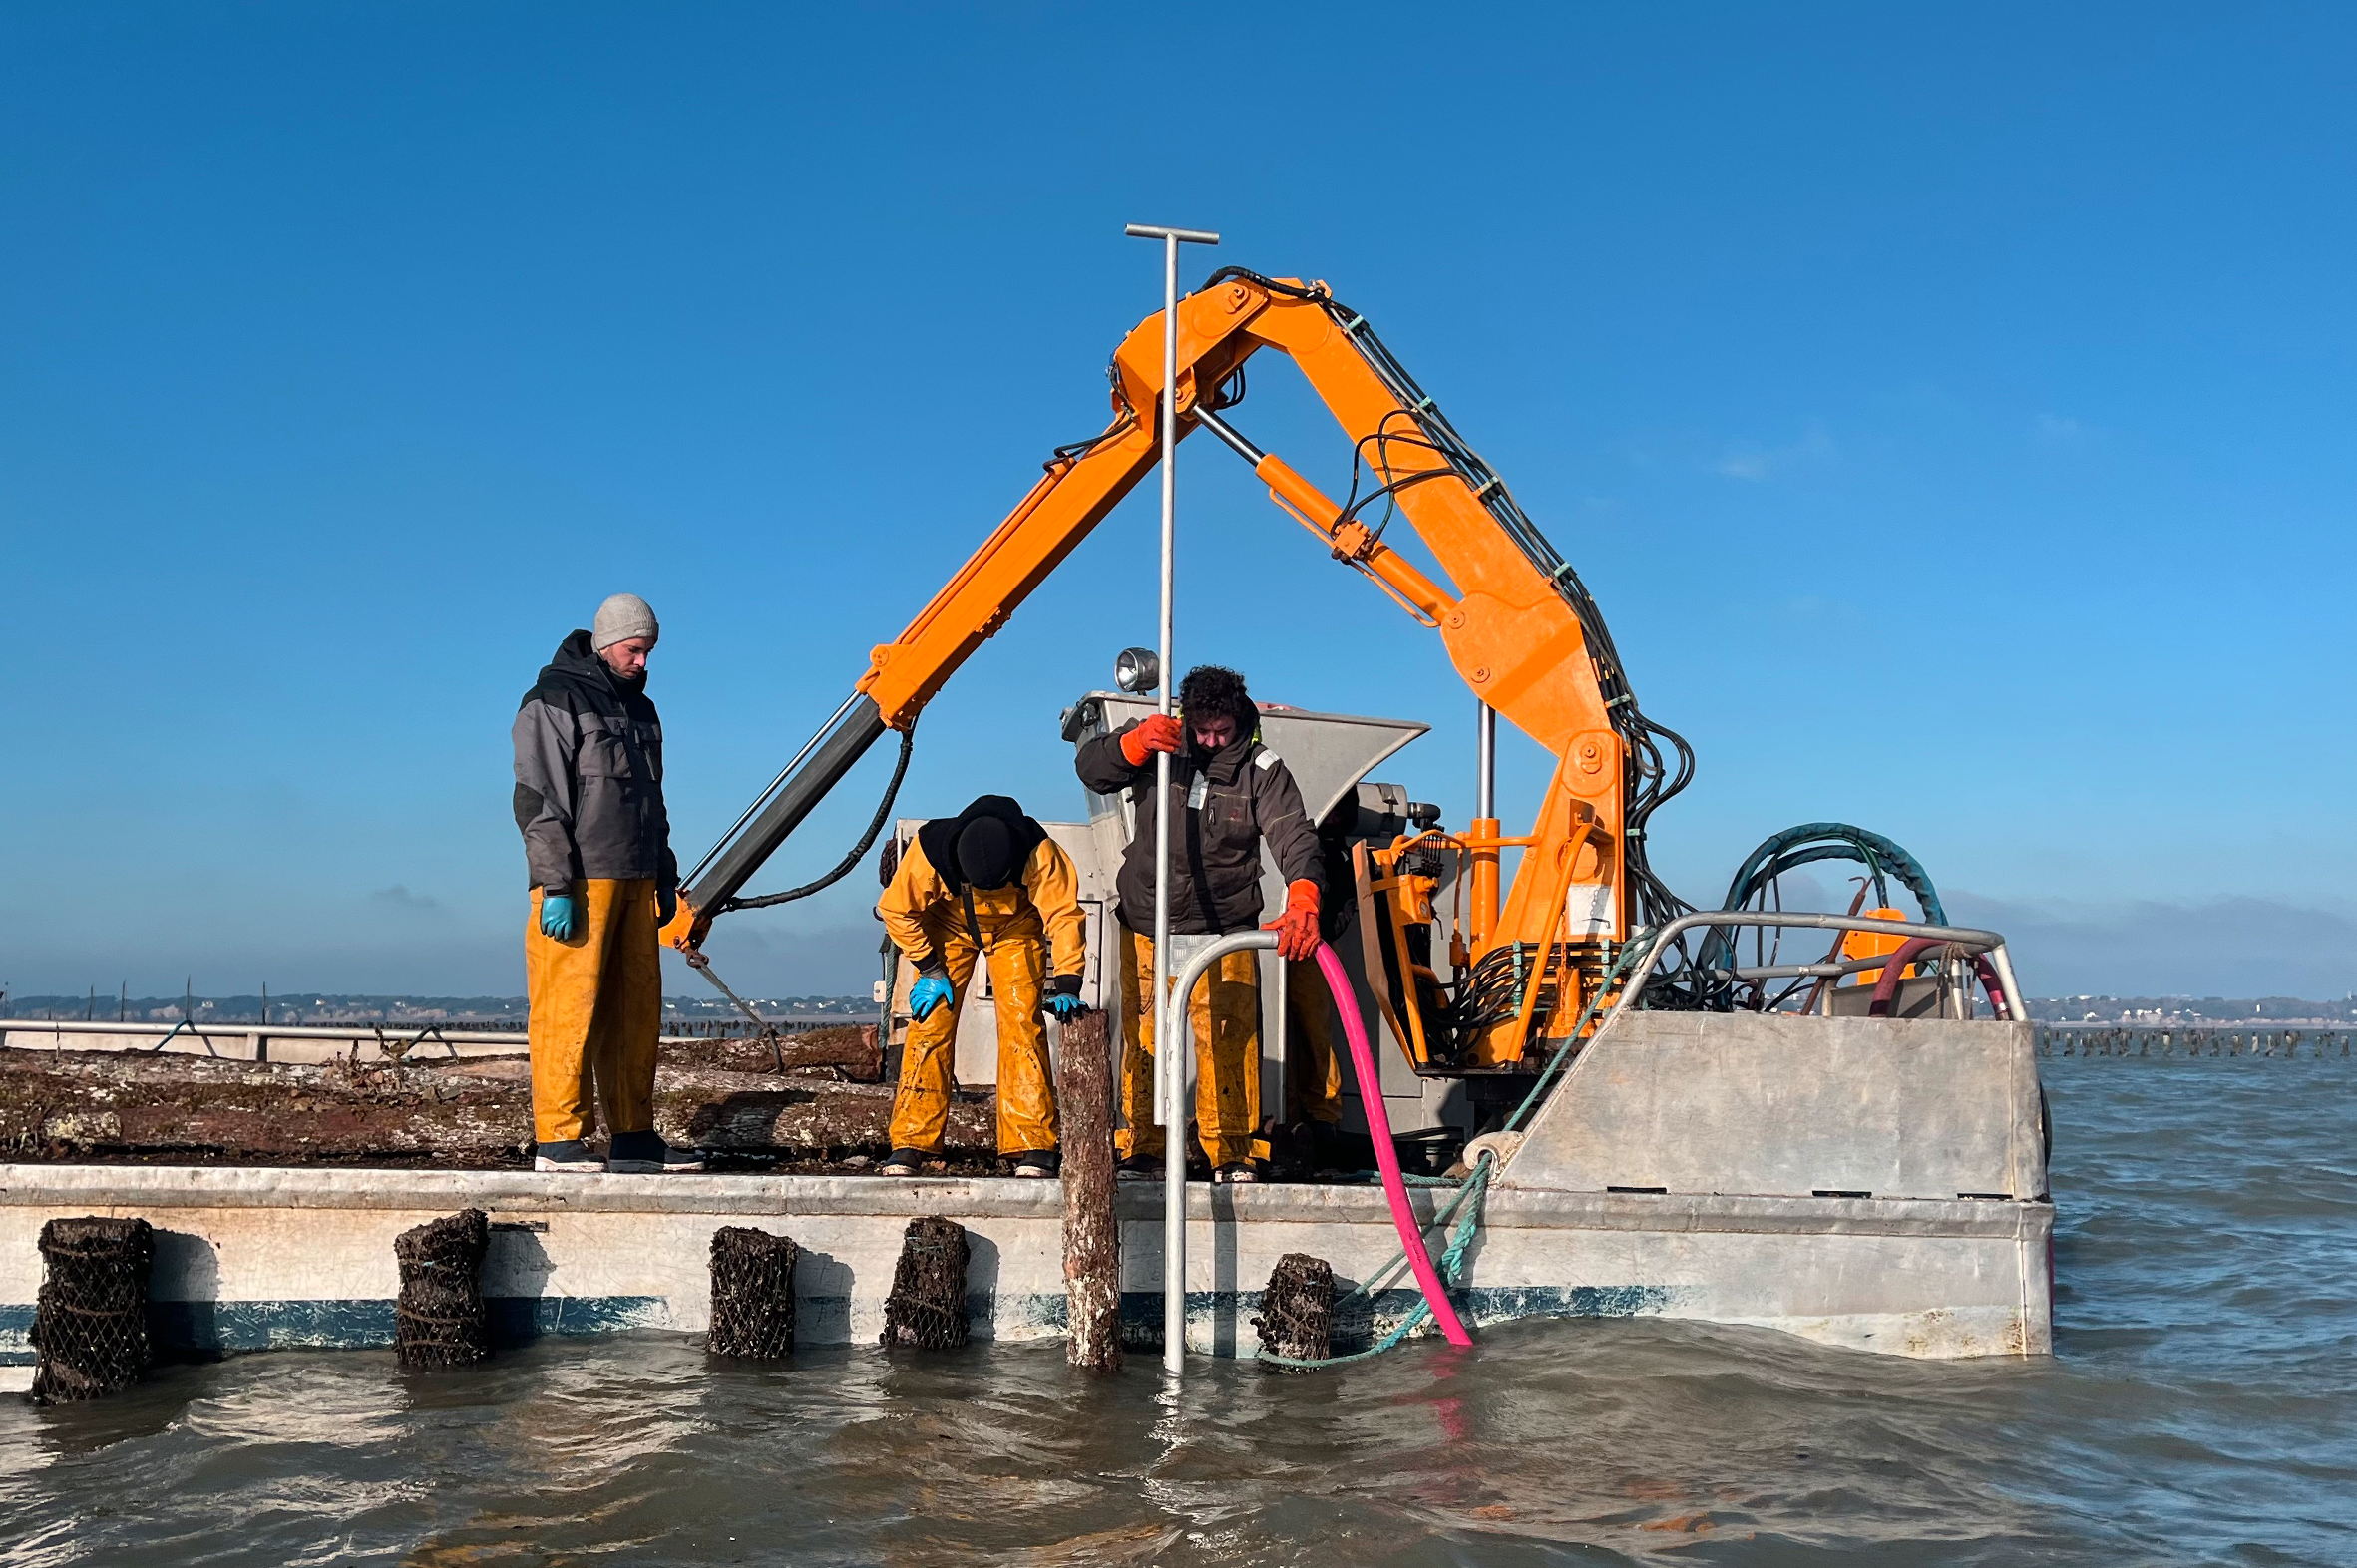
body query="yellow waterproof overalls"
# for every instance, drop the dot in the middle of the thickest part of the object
(1013, 926)
(596, 1008)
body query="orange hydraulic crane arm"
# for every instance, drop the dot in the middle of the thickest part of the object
(1519, 628)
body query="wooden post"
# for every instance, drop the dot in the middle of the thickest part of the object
(1093, 1235)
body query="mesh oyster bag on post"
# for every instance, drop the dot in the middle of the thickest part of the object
(926, 1308)
(440, 1320)
(1297, 1311)
(752, 1294)
(89, 1322)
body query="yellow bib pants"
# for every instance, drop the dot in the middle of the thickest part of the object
(1027, 1090)
(1226, 1013)
(597, 1010)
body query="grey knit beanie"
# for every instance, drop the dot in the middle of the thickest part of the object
(620, 618)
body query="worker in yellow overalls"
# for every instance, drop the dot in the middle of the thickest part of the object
(987, 881)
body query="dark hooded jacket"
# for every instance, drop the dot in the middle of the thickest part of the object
(928, 902)
(589, 774)
(1225, 805)
(940, 837)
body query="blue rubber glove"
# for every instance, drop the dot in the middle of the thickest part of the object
(930, 992)
(1065, 1007)
(666, 904)
(561, 917)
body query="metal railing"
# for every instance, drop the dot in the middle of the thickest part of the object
(1970, 939)
(251, 1041)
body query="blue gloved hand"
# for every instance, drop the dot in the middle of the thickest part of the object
(560, 915)
(930, 992)
(666, 904)
(1065, 1007)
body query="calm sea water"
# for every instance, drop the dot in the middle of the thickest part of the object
(2201, 1407)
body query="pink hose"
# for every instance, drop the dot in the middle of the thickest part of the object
(1386, 1158)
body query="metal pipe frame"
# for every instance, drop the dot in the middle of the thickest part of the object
(1828, 971)
(1177, 1067)
(1990, 941)
(1171, 239)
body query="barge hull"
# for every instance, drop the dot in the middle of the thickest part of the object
(257, 1259)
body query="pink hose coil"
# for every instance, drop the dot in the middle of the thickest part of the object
(1386, 1158)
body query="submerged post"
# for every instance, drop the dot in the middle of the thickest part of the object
(1168, 1074)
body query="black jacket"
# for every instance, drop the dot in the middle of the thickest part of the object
(1226, 803)
(589, 774)
(940, 835)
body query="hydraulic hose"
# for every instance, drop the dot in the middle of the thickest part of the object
(858, 850)
(1886, 985)
(1386, 1158)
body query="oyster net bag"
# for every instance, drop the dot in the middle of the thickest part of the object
(1297, 1311)
(440, 1320)
(926, 1308)
(752, 1294)
(89, 1322)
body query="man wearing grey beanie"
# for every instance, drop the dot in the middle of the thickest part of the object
(597, 842)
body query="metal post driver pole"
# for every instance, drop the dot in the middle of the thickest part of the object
(1169, 1075)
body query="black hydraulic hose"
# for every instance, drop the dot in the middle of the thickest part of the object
(859, 851)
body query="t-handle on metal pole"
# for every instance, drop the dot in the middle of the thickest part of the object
(1169, 1076)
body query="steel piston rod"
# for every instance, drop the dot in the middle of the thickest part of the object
(817, 769)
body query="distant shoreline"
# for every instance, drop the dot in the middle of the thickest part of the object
(493, 1013)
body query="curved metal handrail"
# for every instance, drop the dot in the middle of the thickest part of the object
(1988, 942)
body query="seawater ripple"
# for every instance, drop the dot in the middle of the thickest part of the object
(2201, 1407)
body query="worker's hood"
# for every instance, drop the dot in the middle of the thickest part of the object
(1013, 842)
(576, 660)
(1227, 763)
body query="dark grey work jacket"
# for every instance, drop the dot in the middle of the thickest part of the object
(589, 774)
(1247, 795)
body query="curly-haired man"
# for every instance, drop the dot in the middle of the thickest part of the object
(1228, 795)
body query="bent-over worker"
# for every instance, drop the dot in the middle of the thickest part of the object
(1228, 794)
(986, 882)
(589, 801)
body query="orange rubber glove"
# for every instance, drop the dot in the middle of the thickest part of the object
(1155, 732)
(1296, 928)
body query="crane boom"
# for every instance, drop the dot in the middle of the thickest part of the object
(1519, 628)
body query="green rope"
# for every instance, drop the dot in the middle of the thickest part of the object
(1465, 1207)
(1631, 951)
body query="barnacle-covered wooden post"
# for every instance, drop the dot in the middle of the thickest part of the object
(1093, 1235)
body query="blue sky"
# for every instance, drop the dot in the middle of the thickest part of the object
(1950, 411)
